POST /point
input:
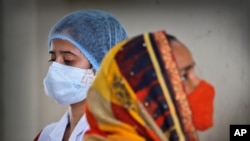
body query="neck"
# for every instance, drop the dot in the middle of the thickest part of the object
(76, 111)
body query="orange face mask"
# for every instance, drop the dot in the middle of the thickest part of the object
(201, 104)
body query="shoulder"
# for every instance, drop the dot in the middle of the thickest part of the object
(44, 135)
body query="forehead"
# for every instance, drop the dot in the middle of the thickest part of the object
(182, 54)
(62, 45)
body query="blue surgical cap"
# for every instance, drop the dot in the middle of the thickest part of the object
(93, 32)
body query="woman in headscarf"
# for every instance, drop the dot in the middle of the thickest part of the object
(143, 90)
(77, 44)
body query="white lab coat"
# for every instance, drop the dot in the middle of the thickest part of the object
(55, 131)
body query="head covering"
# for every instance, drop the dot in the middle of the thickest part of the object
(93, 32)
(138, 94)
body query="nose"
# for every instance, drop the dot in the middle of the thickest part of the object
(59, 60)
(191, 83)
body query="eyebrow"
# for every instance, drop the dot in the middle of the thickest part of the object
(63, 52)
(186, 68)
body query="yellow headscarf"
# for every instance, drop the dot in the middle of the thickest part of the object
(137, 94)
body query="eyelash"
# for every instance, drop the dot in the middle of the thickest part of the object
(184, 77)
(51, 60)
(68, 62)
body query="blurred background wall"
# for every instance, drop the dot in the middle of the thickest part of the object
(217, 33)
(1, 71)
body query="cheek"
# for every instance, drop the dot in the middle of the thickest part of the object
(82, 65)
(83, 62)
(191, 83)
(188, 87)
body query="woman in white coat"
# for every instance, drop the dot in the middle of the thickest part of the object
(77, 44)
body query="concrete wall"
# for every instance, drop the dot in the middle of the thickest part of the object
(216, 32)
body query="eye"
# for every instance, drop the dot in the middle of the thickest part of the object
(51, 60)
(68, 62)
(184, 77)
(52, 57)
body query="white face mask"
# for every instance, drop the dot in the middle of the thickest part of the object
(67, 85)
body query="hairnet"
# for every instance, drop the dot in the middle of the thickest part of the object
(93, 32)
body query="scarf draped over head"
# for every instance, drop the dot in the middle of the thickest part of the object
(137, 94)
